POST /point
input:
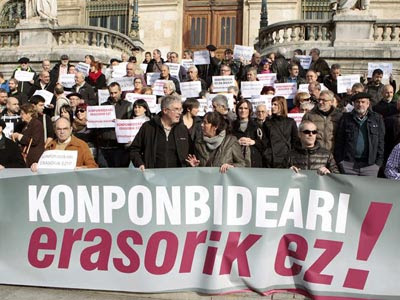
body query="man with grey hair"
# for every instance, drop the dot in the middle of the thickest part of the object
(165, 75)
(387, 106)
(164, 141)
(220, 104)
(326, 117)
(314, 88)
(85, 89)
(155, 64)
(318, 64)
(193, 75)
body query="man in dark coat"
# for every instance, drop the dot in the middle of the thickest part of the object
(318, 64)
(10, 153)
(85, 89)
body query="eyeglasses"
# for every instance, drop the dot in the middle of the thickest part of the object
(324, 100)
(176, 110)
(310, 131)
(260, 112)
(80, 110)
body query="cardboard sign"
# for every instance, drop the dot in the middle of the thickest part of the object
(298, 117)
(191, 89)
(103, 96)
(287, 90)
(187, 63)
(345, 82)
(143, 67)
(126, 83)
(119, 70)
(82, 67)
(24, 76)
(201, 57)
(231, 100)
(67, 80)
(221, 83)
(150, 99)
(158, 87)
(256, 100)
(101, 116)
(250, 88)
(267, 79)
(305, 61)
(46, 95)
(58, 159)
(174, 69)
(243, 51)
(126, 130)
(151, 78)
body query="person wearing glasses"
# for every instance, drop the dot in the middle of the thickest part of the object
(326, 117)
(309, 155)
(300, 98)
(164, 141)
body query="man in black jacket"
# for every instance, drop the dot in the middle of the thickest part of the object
(359, 147)
(85, 89)
(164, 141)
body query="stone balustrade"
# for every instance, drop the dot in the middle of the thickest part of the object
(9, 38)
(386, 31)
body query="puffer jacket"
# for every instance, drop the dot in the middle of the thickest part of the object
(229, 152)
(326, 126)
(312, 158)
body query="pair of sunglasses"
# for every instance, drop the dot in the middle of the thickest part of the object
(310, 131)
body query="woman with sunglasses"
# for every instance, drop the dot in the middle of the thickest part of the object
(79, 128)
(300, 98)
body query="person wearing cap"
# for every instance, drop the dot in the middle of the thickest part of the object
(74, 100)
(24, 86)
(60, 68)
(10, 153)
(206, 72)
(359, 143)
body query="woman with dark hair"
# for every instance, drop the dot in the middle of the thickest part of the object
(31, 137)
(67, 112)
(280, 135)
(96, 78)
(190, 119)
(216, 148)
(141, 110)
(248, 134)
(268, 90)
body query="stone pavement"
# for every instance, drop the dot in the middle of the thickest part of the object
(8, 292)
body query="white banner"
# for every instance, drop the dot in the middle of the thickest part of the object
(150, 99)
(201, 57)
(151, 78)
(256, 100)
(267, 79)
(67, 80)
(287, 90)
(24, 76)
(305, 61)
(298, 117)
(101, 116)
(126, 83)
(103, 96)
(250, 88)
(46, 95)
(58, 159)
(191, 89)
(82, 67)
(126, 130)
(158, 87)
(346, 82)
(187, 63)
(243, 51)
(221, 83)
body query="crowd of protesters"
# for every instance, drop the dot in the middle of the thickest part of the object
(357, 132)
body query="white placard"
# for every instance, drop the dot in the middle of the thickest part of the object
(204, 107)
(256, 100)
(46, 95)
(9, 130)
(150, 99)
(221, 83)
(58, 159)
(126, 83)
(119, 70)
(190, 89)
(143, 67)
(174, 69)
(345, 82)
(349, 107)
(82, 67)
(298, 117)
(305, 61)
(24, 75)
(267, 79)
(158, 87)
(126, 130)
(250, 88)
(187, 63)
(231, 100)
(67, 80)
(304, 87)
(287, 90)
(201, 57)
(103, 96)
(243, 51)
(151, 78)
(387, 69)
(101, 116)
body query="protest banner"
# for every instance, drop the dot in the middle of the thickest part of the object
(345, 82)
(174, 69)
(46, 95)
(244, 52)
(151, 78)
(158, 87)
(201, 57)
(287, 90)
(143, 67)
(67, 80)
(229, 97)
(267, 79)
(83, 68)
(298, 117)
(119, 70)
(24, 76)
(250, 88)
(126, 130)
(150, 99)
(387, 69)
(329, 237)
(257, 100)
(58, 159)
(221, 83)
(187, 63)
(305, 61)
(101, 116)
(204, 107)
(190, 89)
(103, 96)
(126, 83)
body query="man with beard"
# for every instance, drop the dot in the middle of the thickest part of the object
(13, 84)
(359, 148)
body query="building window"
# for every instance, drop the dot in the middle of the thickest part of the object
(315, 9)
(109, 14)
(228, 31)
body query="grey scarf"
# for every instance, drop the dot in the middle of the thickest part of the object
(215, 141)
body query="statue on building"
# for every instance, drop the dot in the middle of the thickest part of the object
(45, 9)
(343, 5)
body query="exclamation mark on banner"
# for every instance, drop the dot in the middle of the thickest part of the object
(371, 229)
